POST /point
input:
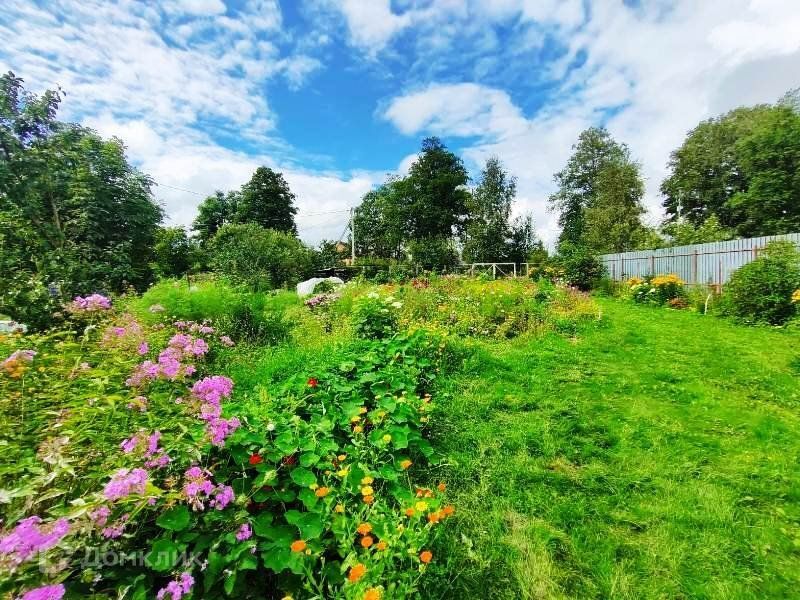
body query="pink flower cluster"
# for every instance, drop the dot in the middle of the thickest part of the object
(199, 487)
(46, 592)
(127, 335)
(147, 446)
(244, 533)
(126, 482)
(30, 536)
(209, 392)
(170, 363)
(89, 304)
(139, 403)
(175, 590)
(201, 328)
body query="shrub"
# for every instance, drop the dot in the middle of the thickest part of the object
(259, 258)
(762, 291)
(375, 316)
(434, 253)
(581, 267)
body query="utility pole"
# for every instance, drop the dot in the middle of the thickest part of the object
(352, 237)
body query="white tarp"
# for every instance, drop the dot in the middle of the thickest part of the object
(306, 288)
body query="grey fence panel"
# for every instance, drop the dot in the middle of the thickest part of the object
(698, 264)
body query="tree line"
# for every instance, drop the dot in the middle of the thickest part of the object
(77, 217)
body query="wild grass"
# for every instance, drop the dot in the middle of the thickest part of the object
(654, 456)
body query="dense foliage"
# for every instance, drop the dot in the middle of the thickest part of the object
(75, 216)
(741, 168)
(262, 259)
(762, 291)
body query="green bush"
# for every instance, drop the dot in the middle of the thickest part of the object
(259, 258)
(434, 253)
(761, 291)
(375, 316)
(580, 266)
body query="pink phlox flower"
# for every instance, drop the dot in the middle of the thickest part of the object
(244, 533)
(175, 590)
(126, 482)
(30, 536)
(46, 592)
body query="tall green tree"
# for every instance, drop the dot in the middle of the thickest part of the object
(488, 229)
(770, 156)
(433, 197)
(613, 220)
(379, 222)
(267, 201)
(215, 211)
(174, 253)
(578, 180)
(75, 216)
(706, 171)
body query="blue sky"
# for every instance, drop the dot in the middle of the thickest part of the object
(338, 93)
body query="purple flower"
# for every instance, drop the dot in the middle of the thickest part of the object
(213, 389)
(244, 533)
(223, 496)
(116, 529)
(126, 482)
(143, 349)
(29, 537)
(89, 304)
(176, 589)
(226, 341)
(100, 515)
(219, 429)
(46, 592)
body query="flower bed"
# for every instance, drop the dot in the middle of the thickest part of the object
(130, 442)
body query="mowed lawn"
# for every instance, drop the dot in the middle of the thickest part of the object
(656, 455)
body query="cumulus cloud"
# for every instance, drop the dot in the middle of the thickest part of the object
(648, 73)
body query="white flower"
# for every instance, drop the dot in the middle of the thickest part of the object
(373, 295)
(397, 304)
(270, 426)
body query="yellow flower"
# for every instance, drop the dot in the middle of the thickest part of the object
(421, 506)
(405, 464)
(362, 410)
(367, 480)
(339, 508)
(367, 490)
(796, 296)
(358, 429)
(355, 419)
(341, 457)
(387, 438)
(364, 528)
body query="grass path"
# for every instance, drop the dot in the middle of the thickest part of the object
(655, 456)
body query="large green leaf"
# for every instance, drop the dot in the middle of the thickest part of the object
(303, 477)
(175, 519)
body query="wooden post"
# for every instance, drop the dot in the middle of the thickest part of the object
(652, 264)
(494, 271)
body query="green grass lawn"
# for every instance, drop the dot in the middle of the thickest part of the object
(656, 455)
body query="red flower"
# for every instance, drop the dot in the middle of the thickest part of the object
(312, 382)
(255, 459)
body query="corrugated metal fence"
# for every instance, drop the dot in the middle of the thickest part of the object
(698, 264)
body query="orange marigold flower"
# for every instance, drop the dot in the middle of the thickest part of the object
(342, 457)
(356, 572)
(369, 499)
(373, 594)
(358, 429)
(426, 556)
(298, 546)
(448, 510)
(381, 545)
(364, 528)
(366, 541)
(405, 464)
(433, 517)
(442, 486)
(322, 492)
(410, 512)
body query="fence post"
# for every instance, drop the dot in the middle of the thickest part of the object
(694, 267)
(652, 264)
(494, 271)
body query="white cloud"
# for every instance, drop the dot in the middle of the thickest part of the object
(650, 74)
(463, 109)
